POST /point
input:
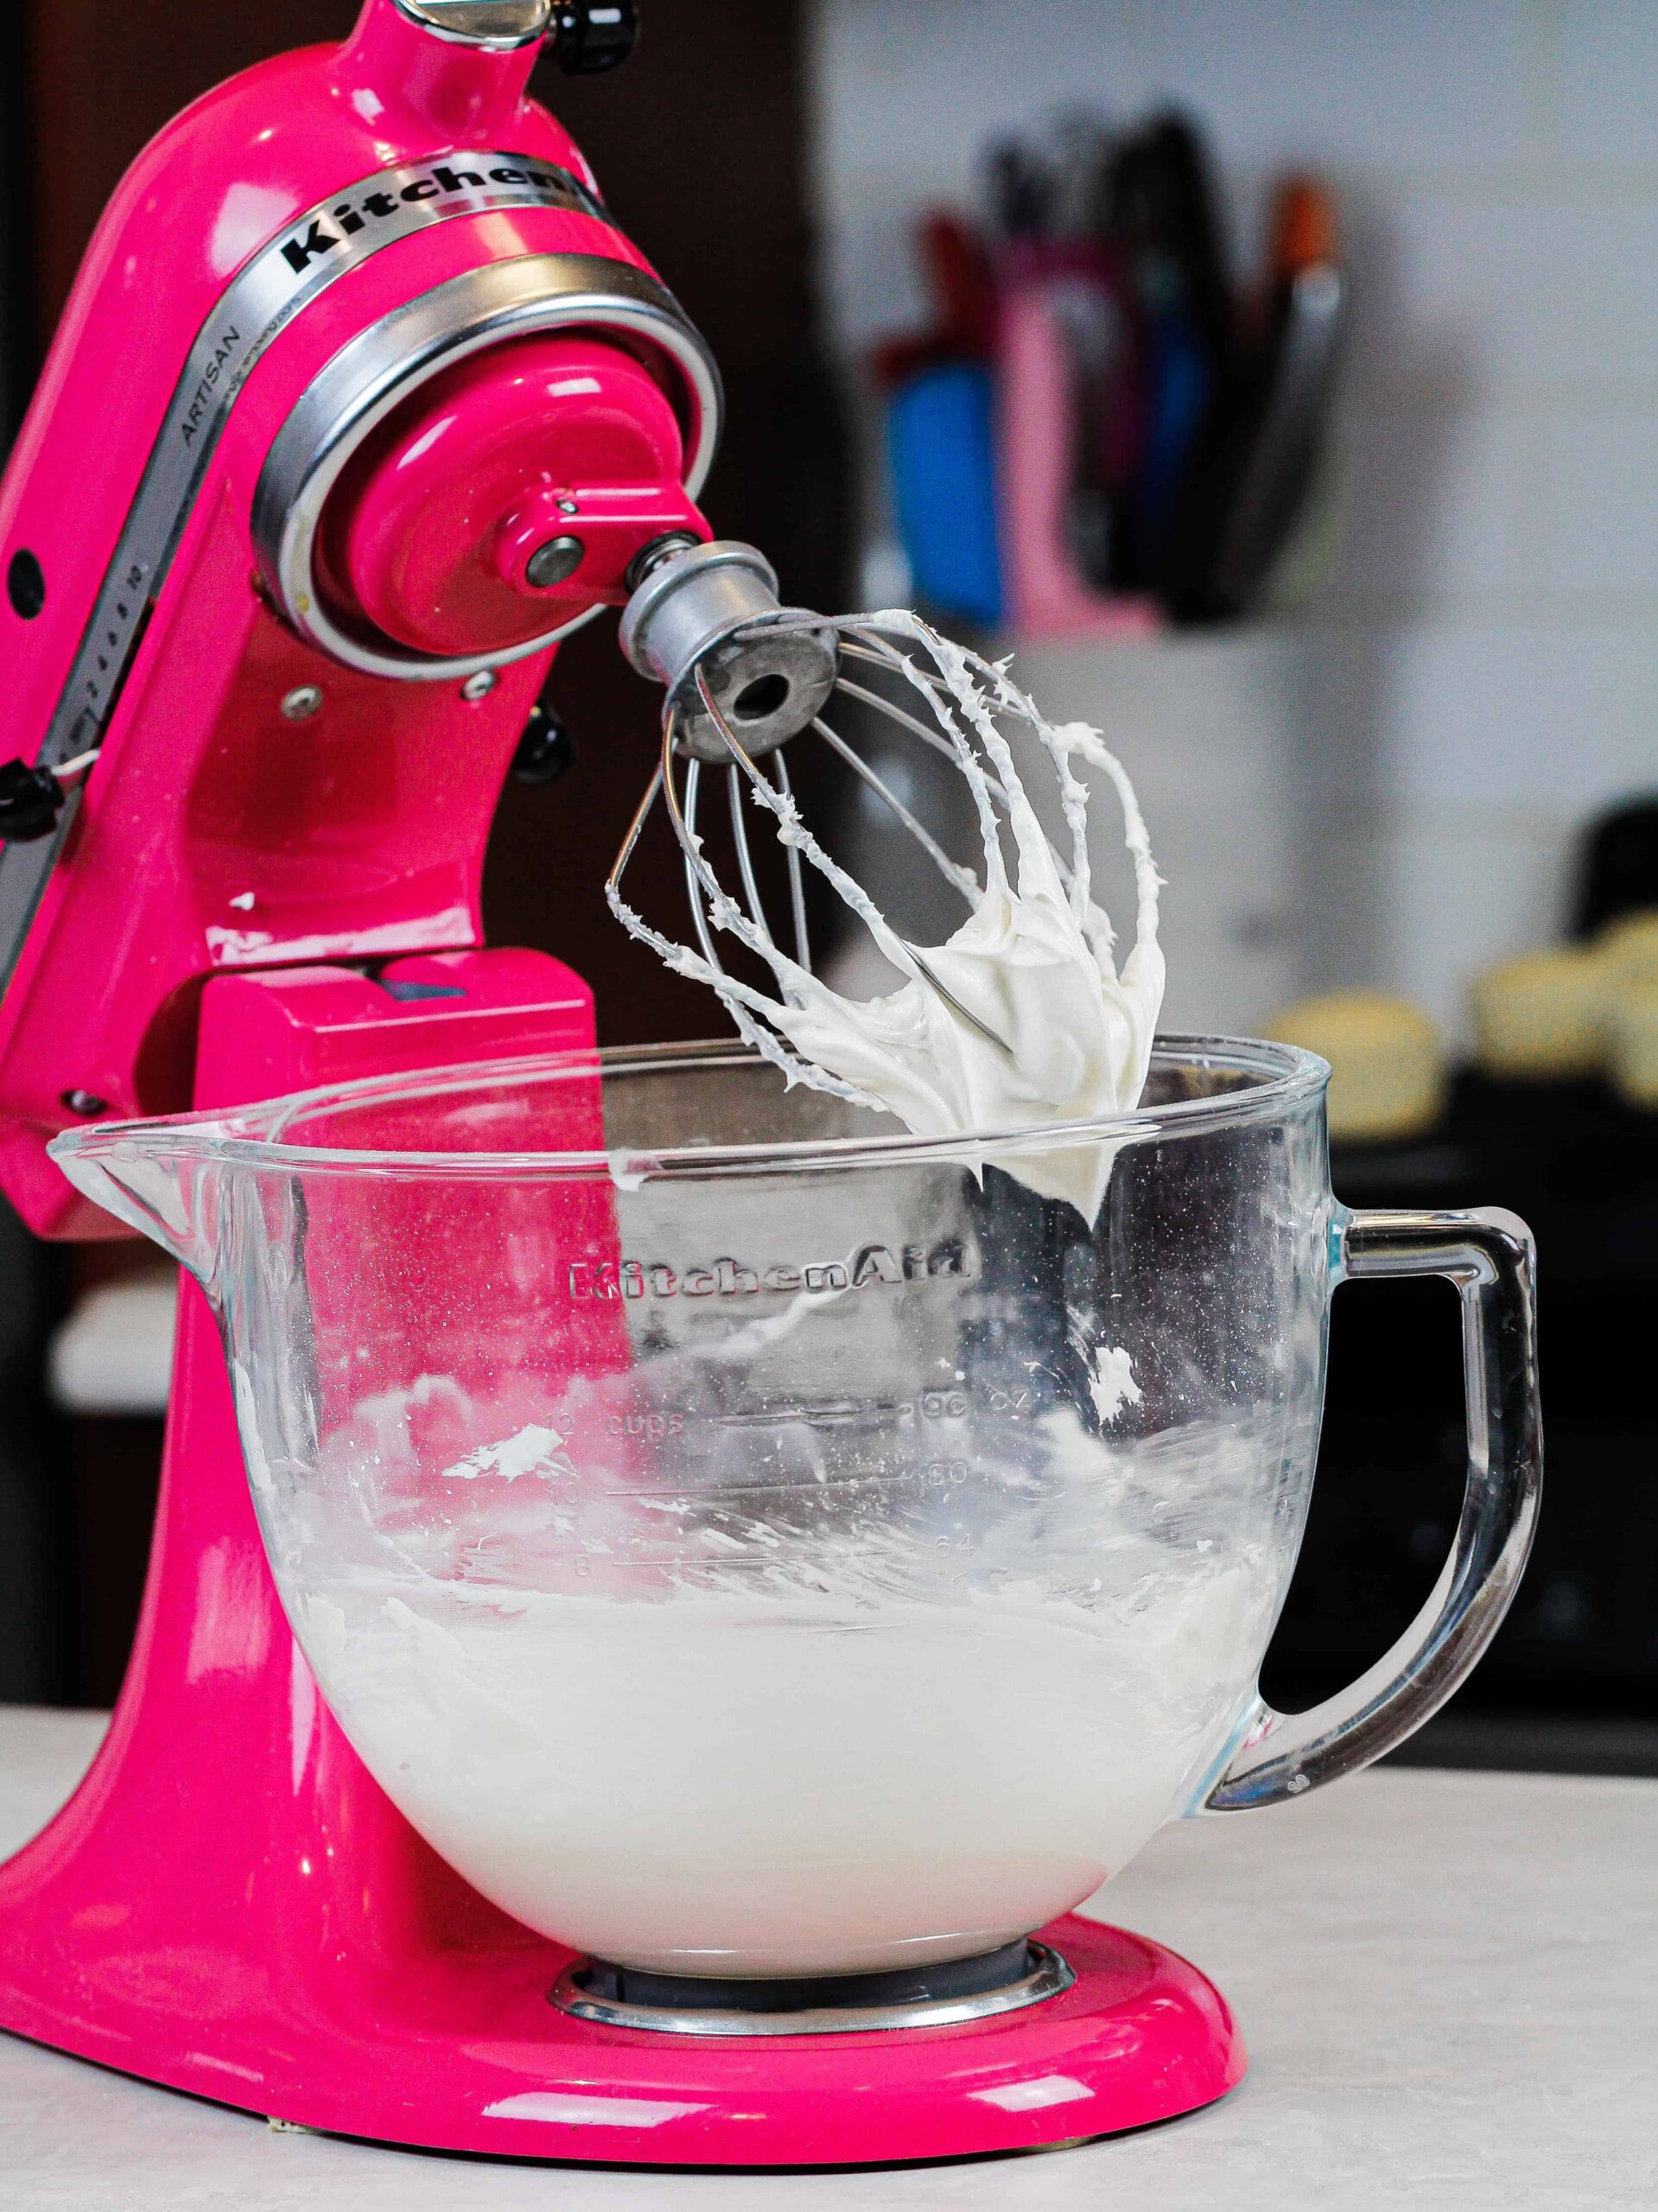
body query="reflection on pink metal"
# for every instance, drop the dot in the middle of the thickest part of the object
(437, 528)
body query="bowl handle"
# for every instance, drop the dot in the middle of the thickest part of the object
(1491, 1257)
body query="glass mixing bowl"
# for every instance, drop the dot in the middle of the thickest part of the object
(745, 1539)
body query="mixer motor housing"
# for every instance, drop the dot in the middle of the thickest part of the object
(361, 403)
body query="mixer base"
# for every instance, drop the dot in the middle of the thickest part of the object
(943, 1995)
(478, 2060)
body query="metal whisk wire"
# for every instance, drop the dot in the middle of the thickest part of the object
(677, 781)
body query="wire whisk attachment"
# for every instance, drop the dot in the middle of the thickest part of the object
(878, 677)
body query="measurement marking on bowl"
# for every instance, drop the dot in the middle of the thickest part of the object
(681, 1564)
(724, 1499)
(828, 1412)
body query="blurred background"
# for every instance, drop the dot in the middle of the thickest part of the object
(1278, 379)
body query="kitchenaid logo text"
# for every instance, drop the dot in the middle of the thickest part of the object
(437, 183)
(874, 1264)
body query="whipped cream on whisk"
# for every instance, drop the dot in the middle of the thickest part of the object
(1022, 1018)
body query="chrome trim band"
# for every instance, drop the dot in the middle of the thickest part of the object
(468, 22)
(378, 369)
(1049, 1976)
(280, 280)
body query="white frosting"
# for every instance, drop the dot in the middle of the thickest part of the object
(1033, 964)
(729, 1784)
(824, 1762)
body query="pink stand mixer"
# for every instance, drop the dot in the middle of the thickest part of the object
(383, 405)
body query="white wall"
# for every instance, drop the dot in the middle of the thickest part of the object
(1485, 649)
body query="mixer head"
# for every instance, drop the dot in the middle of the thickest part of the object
(400, 407)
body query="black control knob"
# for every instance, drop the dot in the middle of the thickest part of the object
(546, 750)
(31, 800)
(591, 36)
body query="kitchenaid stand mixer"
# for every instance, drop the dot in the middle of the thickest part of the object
(382, 405)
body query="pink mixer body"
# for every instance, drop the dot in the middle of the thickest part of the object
(355, 354)
(227, 835)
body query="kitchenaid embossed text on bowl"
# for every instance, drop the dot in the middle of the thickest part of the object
(748, 1543)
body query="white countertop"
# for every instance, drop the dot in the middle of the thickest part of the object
(1447, 1982)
